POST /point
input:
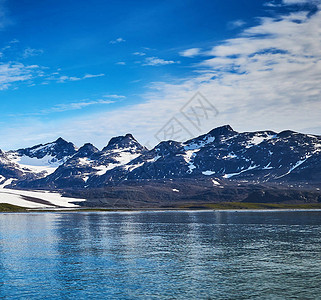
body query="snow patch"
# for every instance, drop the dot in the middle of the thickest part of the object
(19, 201)
(189, 157)
(297, 164)
(208, 173)
(121, 157)
(133, 167)
(15, 197)
(234, 174)
(2, 178)
(84, 161)
(267, 167)
(7, 182)
(157, 157)
(199, 144)
(229, 156)
(46, 164)
(125, 157)
(258, 139)
(215, 182)
(101, 170)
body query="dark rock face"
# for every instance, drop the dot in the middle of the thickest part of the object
(263, 156)
(256, 156)
(123, 142)
(58, 149)
(8, 169)
(86, 150)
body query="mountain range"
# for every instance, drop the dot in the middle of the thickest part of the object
(222, 157)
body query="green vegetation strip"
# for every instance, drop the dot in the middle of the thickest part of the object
(5, 207)
(247, 205)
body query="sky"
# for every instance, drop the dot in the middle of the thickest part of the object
(90, 70)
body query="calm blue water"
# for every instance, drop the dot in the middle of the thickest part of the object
(161, 255)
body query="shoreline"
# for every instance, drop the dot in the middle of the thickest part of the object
(219, 207)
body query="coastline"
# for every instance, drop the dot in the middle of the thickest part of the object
(211, 207)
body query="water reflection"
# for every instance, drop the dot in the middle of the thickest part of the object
(160, 255)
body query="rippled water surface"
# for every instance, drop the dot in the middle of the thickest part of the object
(161, 255)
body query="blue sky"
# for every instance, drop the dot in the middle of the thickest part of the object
(90, 70)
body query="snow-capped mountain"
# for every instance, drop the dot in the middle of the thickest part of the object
(222, 154)
(88, 163)
(37, 161)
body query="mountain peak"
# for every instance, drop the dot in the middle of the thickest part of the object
(286, 133)
(222, 130)
(123, 141)
(129, 136)
(59, 149)
(60, 140)
(86, 150)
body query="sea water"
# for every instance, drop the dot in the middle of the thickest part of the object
(161, 255)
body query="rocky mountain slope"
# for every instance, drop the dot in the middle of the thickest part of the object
(222, 155)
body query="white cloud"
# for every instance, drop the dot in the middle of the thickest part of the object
(116, 41)
(76, 105)
(273, 3)
(29, 52)
(14, 41)
(64, 78)
(139, 53)
(4, 20)
(299, 1)
(92, 75)
(121, 63)
(62, 107)
(236, 24)
(13, 72)
(114, 96)
(9, 45)
(266, 78)
(190, 52)
(155, 61)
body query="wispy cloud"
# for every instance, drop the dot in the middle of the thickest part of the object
(114, 96)
(139, 53)
(235, 24)
(29, 52)
(92, 76)
(64, 78)
(274, 3)
(75, 105)
(116, 41)
(190, 52)
(155, 61)
(268, 77)
(4, 19)
(8, 46)
(121, 63)
(14, 72)
(300, 1)
(63, 107)
(14, 41)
